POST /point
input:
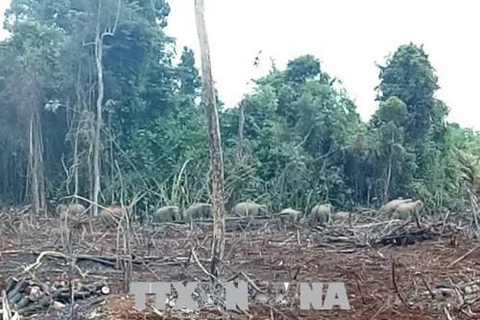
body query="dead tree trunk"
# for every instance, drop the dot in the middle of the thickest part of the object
(33, 181)
(98, 119)
(36, 183)
(216, 157)
(99, 36)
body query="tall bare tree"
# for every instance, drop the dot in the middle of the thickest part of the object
(98, 43)
(216, 156)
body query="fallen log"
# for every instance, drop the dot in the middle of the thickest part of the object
(27, 296)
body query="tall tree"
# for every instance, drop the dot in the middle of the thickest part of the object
(100, 36)
(387, 135)
(409, 76)
(216, 156)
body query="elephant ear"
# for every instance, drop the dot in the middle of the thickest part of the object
(420, 205)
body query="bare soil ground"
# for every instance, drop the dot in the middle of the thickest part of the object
(266, 255)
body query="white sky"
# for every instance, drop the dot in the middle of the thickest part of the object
(348, 36)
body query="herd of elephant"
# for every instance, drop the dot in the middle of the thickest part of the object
(320, 214)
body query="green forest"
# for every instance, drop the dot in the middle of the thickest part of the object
(92, 97)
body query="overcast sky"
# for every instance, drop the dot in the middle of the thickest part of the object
(348, 36)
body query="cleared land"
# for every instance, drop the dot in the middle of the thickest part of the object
(429, 288)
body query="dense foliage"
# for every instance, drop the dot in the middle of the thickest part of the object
(295, 140)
